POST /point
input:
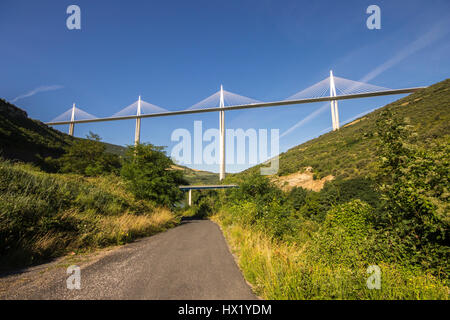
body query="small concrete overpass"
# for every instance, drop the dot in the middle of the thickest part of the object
(205, 187)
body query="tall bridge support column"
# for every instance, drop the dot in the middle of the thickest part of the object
(190, 198)
(137, 133)
(333, 120)
(72, 125)
(336, 114)
(334, 104)
(71, 128)
(222, 136)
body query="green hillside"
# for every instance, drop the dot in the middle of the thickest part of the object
(28, 140)
(44, 214)
(194, 177)
(350, 151)
(382, 202)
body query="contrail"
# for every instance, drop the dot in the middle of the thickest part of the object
(37, 90)
(438, 31)
(305, 120)
(350, 119)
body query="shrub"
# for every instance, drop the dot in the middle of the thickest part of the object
(353, 216)
(313, 208)
(203, 208)
(277, 221)
(43, 215)
(255, 187)
(414, 185)
(297, 197)
(342, 191)
(345, 238)
(150, 176)
(87, 157)
(278, 270)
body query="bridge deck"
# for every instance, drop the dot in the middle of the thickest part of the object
(247, 106)
(202, 187)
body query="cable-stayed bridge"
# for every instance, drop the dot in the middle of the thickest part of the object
(331, 89)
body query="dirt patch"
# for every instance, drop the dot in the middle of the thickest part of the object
(353, 122)
(303, 179)
(175, 167)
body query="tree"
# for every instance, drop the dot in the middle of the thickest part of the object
(297, 197)
(150, 175)
(88, 157)
(414, 185)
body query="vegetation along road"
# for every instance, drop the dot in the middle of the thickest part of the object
(372, 196)
(191, 261)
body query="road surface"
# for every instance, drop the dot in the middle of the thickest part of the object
(191, 261)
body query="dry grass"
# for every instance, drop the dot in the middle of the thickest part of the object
(48, 215)
(107, 230)
(132, 224)
(48, 242)
(278, 270)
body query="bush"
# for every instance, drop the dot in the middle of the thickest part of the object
(150, 176)
(256, 188)
(341, 191)
(313, 208)
(203, 208)
(414, 185)
(345, 238)
(43, 215)
(277, 221)
(87, 157)
(278, 270)
(297, 197)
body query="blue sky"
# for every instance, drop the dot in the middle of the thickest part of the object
(176, 53)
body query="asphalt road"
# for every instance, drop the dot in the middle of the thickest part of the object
(191, 261)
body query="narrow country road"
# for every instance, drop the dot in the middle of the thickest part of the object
(191, 261)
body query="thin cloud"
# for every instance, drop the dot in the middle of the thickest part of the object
(305, 120)
(350, 119)
(37, 90)
(437, 32)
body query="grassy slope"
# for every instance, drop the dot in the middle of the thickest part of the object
(28, 140)
(350, 151)
(45, 215)
(279, 270)
(198, 176)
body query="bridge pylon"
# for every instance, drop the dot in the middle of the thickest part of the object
(72, 119)
(222, 136)
(137, 133)
(334, 103)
